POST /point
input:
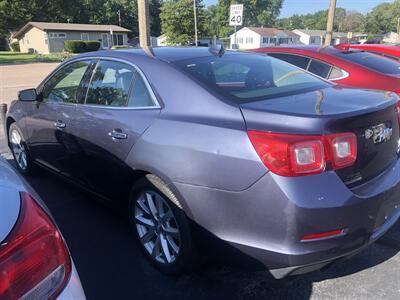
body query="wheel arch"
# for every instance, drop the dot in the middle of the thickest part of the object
(10, 120)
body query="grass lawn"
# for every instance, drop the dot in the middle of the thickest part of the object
(16, 57)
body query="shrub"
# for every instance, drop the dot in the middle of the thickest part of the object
(75, 46)
(92, 46)
(15, 47)
(121, 47)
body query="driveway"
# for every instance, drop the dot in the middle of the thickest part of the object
(16, 77)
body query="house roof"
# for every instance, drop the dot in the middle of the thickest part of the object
(267, 31)
(69, 27)
(313, 32)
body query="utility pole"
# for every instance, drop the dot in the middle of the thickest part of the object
(144, 25)
(398, 29)
(195, 22)
(119, 18)
(329, 23)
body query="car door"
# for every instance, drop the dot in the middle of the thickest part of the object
(48, 121)
(118, 108)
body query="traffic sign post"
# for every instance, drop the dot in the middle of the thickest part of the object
(236, 19)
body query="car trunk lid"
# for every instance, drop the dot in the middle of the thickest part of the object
(371, 116)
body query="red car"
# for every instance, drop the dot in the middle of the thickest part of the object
(390, 51)
(344, 66)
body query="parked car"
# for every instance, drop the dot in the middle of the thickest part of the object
(281, 167)
(389, 51)
(34, 259)
(342, 65)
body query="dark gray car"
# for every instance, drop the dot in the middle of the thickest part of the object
(283, 169)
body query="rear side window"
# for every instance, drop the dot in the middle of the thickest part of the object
(337, 73)
(64, 85)
(371, 61)
(300, 61)
(319, 68)
(110, 84)
(140, 96)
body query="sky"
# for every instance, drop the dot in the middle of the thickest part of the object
(291, 7)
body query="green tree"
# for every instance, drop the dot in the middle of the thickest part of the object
(383, 18)
(177, 21)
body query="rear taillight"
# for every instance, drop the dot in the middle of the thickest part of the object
(34, 260)
(296, 155)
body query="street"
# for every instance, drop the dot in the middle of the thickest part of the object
(16, 77)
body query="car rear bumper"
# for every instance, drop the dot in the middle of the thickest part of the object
(73, 290)
(303, 269)
(267, 221)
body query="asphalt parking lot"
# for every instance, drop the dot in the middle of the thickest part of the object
(111, 266)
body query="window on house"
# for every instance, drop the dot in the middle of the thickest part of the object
(118, 39)
(283, 41)
(249, 40)
(57, 35)
(84, 36)
(265, 40)
(272, 41)
(240, 40)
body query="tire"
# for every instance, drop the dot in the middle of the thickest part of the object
(168, 245)
(19, 150)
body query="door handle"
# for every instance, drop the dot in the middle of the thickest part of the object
(60, 124)
(117, 134)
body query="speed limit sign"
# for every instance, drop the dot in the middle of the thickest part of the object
(236, 15)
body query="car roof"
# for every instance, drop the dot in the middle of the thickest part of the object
(168, 54)
(310, 48)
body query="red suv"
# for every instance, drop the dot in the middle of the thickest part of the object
(342, 65)
(390, 51)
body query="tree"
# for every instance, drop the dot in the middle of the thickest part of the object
(354, 22)
(177, 21)
(383, 18)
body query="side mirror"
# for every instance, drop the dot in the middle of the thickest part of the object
(28, 95)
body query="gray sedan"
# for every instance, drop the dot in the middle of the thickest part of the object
(34, 260)
(286, 171)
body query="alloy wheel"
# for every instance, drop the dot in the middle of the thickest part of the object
(157, 227)
(18, 149)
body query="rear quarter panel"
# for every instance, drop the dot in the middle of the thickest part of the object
(198, 138)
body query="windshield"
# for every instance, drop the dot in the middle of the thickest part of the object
(250, 77)
(371, 61)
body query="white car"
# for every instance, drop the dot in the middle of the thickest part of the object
(34, 260)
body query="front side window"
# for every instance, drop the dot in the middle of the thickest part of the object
(371, 61)
(63, 86)
(110, 84)
(247, 77)
(300, 61)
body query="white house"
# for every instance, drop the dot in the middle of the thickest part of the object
(317, 37)
(257, 37)
(391, 38)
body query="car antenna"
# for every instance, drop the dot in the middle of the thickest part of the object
(216, 49)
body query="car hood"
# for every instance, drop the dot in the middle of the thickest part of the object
(10, 186)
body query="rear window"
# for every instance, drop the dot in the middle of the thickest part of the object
(371, 61)
(249, 77)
